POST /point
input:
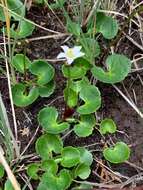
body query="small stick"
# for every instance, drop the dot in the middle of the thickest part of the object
(25, 149)
(10, 90)
(130, 103)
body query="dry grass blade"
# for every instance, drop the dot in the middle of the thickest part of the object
(10, 92)
(29, 21)
(129, 102)
(109, 5)
(8, 171)
(8, 135)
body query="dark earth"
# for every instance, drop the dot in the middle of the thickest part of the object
(130, 125)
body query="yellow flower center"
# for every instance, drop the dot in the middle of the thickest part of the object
(70, 53)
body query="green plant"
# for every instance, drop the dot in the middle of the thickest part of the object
(22, 28)
(117, 154)
(1, 171)
(17, 6)
(6, 135)
(41, 84)
(85, 99)
(107, 126)
(60, 165)
(74, 162)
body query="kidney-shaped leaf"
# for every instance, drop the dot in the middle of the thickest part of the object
(48, 119)
(49, 166)
(85, 126)
(32, 170)
(46, 144)
(85, 156)
(55, 182)
(21, 62)
(43, 70)
(70, 157)
(20, 96)
(24, 29)
(77, 70)
(107, 25)
(91, 96)
(107, 126)
(82, 171)
(117, 154)
(118, 67)
(47, 90)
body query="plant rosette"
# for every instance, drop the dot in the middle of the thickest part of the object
(75, 162)
(42, 82)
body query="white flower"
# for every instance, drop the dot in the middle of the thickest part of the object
(70, 54)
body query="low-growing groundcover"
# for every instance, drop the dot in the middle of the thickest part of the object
(64, 153)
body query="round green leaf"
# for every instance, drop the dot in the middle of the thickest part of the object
(85, 156)
(47, 90)
(49, 166)
(85, 126)
(107, 126)
(52, 182)
(77, 70)
(43, 70)
(107, 25)
(46, 144)
(118, 67)
(20, 96)
(16, 6)
(64, 180)
(117, 154)
(21, 62)
(82, 171)
(24, 29)
(48, 119)
(1, 171)
(91, 96)
(32, 170)
(70, 157)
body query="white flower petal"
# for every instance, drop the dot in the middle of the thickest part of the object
(69, 61)
(81, 54)
(77, 48)
(70, 54)
(61, 55)
(77, 51)
(65, 48)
